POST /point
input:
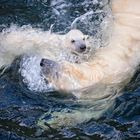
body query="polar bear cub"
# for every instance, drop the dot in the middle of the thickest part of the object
(18, 41)
(105, 75)
(112, 65)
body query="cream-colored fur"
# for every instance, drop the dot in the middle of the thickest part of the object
(17, 41)
(112, 65)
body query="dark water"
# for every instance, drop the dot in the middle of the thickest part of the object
(20, 109)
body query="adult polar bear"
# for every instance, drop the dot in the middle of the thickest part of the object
(110, 70)
(113, 65)
(26, 40)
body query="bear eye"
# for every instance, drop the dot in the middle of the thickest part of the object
(72, 40)
(84, 38)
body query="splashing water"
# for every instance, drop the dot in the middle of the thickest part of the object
(26, 114)
(31, 71)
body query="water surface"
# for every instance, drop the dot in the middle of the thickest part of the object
(21, 109)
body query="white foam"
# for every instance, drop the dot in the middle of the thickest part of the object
(27, 36)
(31, 72)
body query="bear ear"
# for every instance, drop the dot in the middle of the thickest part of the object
(86, 37)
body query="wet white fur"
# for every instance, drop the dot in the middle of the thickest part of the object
(26, 40)
(112, 65)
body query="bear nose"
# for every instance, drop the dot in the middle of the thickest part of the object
(42, 62)
(83, 47)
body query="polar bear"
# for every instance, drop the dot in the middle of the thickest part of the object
(103, 76)
(112, 65)
(26, 40)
